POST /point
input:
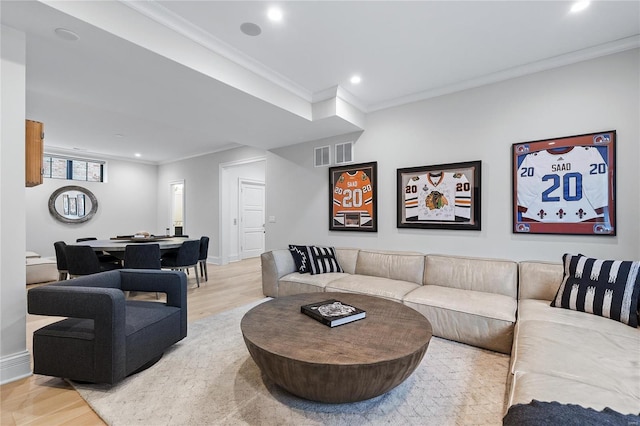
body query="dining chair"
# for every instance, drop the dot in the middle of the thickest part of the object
(183, 258)
(202, 259)
(103, 256)
(82, 260)
(142, 256)
(61, 260)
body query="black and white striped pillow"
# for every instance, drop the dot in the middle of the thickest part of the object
(608, 288)
(322, 260)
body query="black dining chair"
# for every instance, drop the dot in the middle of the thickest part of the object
(61, 260)
(184, 258)
(82, 260)
(103, 256)
(142, 256)
(202, 259)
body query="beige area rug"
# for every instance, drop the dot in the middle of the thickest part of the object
(210, 379)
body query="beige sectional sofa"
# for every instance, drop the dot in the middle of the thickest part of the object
(470, 300)
(568, 356)
(556, 354)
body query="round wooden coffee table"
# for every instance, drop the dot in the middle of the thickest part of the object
(351, 362)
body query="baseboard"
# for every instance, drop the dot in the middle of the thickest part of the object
(15, 367)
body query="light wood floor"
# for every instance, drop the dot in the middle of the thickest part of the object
(43, 400)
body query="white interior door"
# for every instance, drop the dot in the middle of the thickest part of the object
(251, 230)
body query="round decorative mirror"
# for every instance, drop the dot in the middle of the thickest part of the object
(72, 204)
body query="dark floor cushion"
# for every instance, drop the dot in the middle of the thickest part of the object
(539, 413)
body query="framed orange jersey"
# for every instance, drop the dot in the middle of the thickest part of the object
(352, 198)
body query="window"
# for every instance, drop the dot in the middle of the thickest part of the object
(73, 169)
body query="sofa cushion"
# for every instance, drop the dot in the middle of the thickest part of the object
(527, 386)
(299, 254)
(347, 258)
(296, 283)
(373, 286)
(40, 270)
(396, 266)
(539, 280)
(322, 260)
(539, 310)
(588, 355)
(469, 273)
(608, 288)
(477, 318)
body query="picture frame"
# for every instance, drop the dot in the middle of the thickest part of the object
(353, 199)
(443, 196)
(565, 185)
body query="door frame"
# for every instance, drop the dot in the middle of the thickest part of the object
(223, 197)
(184, 204)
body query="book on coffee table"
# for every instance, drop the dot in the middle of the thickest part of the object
(333, 312)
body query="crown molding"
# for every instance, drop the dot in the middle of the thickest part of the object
(594, 52)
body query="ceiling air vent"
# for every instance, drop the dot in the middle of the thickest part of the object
(322, 156)
(344, 152)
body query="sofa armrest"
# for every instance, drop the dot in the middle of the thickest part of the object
(106, 306)
(77, 302)
(173, 283)
(275, 265)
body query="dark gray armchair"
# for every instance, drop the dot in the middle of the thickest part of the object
(106, 337)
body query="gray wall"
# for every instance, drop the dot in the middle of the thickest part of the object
(126, 204)
(478, 124)
(201, 176)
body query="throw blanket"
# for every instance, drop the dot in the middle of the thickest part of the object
(539, 413)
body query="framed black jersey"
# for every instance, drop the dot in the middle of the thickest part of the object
(353, 197)
(565, 185)
(445, 196)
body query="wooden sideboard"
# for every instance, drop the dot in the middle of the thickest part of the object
(34, 145)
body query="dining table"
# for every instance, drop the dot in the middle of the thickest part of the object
(116, 246)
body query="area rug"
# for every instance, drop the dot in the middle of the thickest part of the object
(210, 379)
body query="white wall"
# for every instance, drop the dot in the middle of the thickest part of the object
(478, 124)
(202, 206)
(126, 204)
(14, 357)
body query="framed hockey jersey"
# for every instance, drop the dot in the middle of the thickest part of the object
(565, 185)
(445, 196)
(353, 197)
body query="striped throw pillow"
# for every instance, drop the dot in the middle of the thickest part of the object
(608, 288)
(322, 260)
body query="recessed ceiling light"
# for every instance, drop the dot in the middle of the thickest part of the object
(66, 34)
(579, 6)
(250, 29)
(274, 14)
(137, 154)
(355, 79)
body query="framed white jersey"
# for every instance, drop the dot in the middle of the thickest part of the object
(565, 185)
(438, 196)
(442, 196)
